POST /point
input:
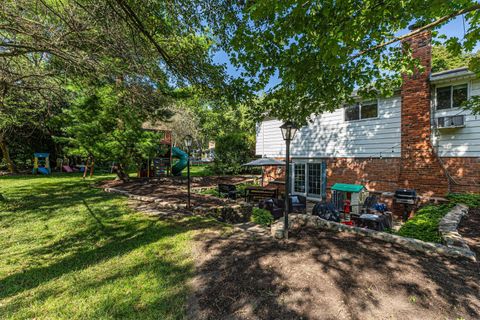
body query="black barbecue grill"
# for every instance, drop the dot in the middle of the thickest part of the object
(406, 197)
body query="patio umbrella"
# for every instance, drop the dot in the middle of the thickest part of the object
(262, 162)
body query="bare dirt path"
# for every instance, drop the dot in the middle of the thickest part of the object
(469, 228)
(325, 275)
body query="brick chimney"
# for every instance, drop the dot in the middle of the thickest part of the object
(420, 168)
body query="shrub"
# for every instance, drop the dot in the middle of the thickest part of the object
(470, 199)
(231, 151)
(424, 226)
(262, 217)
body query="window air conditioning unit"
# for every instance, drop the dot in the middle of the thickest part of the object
(448, 122)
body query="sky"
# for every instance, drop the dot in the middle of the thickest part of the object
(453, 28)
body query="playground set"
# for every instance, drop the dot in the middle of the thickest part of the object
(163, 164)
(41, 163)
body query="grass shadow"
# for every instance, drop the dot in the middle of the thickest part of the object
(71, 251)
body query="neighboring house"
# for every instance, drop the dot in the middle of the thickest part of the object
(392, 142)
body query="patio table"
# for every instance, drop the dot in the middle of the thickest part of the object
(376, 222)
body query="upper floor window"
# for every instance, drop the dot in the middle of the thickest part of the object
(361, 110)
(451, 96)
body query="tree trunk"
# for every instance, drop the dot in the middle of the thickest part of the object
(121, 174)
(6, 154)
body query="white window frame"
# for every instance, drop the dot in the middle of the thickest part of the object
(450, 85)
(305, 164)
(359, 104)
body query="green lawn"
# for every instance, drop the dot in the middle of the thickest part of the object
(198, 170)
(69, 251)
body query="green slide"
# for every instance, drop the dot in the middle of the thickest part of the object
(182, 162)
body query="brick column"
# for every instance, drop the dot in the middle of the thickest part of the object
(419, 168)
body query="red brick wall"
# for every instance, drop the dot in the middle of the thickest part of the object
(464, 173)
(376, 174)
(419, 167)
(384, 174)
(271, 173)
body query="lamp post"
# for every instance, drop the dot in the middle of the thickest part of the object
(289, 129)
(188, 144)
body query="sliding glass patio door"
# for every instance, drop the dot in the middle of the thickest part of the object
(299, 178)
(309, 178)
(314, 189)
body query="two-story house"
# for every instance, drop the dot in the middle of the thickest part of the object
(418, 138)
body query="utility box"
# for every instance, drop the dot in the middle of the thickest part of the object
(356, 193)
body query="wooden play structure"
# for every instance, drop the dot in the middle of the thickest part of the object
(161, 163)
(41, 163)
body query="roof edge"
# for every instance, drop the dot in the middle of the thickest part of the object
(452, 73)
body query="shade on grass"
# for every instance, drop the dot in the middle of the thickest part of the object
(72, 251)
(198, 170)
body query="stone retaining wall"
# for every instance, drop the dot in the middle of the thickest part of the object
(229, 213)
(235, 212)
(449, 224)
(298, 221)
(205, 188)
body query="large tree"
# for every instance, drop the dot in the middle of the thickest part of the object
(28, 96)
(321, 51)
(105, 121)
(135, 44)
(443, 59)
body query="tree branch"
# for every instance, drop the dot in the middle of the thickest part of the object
(419, 30)
(134, 18)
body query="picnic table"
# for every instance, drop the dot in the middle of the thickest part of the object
(257, 193)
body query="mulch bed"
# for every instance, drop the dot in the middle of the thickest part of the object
(326, 275)
(180, 182)
(469, 228)
(174, 189)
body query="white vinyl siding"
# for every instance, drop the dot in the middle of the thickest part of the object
(330, 136)
(269, 141)
(459, 142)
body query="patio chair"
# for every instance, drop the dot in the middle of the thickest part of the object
(275, 206)
(227, 190)
(369, 203)
(298, 203)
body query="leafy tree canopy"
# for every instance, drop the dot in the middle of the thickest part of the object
(323, 50)
(231, 151)
(120, 61)
(442, 59)
(106, 121)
